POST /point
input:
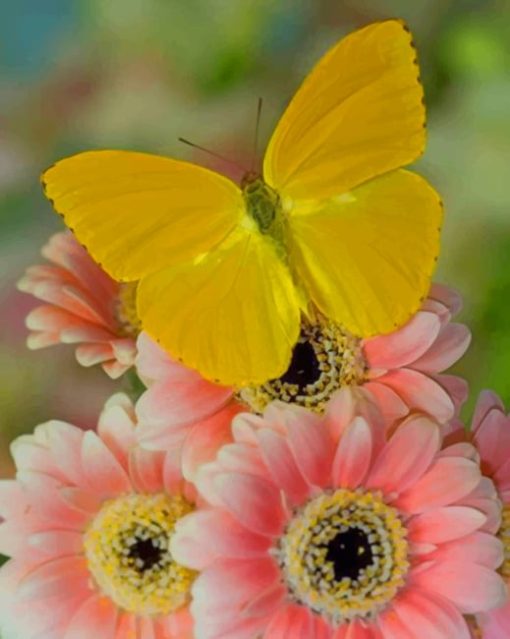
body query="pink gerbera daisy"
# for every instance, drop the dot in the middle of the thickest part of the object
(490, 433)
(319, 528)
(401, 370)
(87, 524)
(83, 306)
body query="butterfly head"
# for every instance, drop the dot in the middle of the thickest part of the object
(262, 202)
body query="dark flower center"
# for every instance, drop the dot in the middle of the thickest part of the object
(145, 553)
(350, 552)
(304, 367)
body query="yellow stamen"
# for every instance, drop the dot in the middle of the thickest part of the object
(125, 310)
(345, 555)
(504, 536)
(325, 359)
(127, 549)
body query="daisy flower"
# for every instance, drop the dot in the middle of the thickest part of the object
(490, 433)
(82, 305)
(320, 528)
(402, 370)
(87, 524)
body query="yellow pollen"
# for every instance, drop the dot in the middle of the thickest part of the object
(345, 555)
(504, 536)
(125, 310)
(127, 549)
(325, 359)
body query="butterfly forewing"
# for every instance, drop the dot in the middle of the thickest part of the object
(137, 213)
(357, 115)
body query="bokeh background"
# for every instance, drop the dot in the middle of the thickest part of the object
(80, 74)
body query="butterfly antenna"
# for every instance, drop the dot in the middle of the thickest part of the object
(256, 138)
(215, 155)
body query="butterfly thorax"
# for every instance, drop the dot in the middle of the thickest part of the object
(262, 202)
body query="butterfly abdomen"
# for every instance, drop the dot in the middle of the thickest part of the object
(262, 202)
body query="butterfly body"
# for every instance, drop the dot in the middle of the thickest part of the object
(332, 224)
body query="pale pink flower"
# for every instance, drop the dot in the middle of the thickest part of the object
(82, 305)
(319, 528)
(180, 407)
(87, 524)
(402, 370)
(490, 433)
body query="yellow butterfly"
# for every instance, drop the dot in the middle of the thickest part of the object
(332, 224)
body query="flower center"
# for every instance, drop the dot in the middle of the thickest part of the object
(325, 358)
(127, 549)
(345, 555)
(125, 310)
(504, 536)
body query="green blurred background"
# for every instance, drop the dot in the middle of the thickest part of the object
(79, 74)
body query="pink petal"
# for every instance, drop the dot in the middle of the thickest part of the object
(282, 465)
(92, 354)
(404, 346)
(456, 387)
(172, 472)
(435, 617)
(225, 589)
(114, 369)
(154, 364)
(86, 333)
(353, 455)
(420, 392)
(240, 458)
(348, 403)
(406, 456)
(444, 524)
(47, 502)
(471, 587)
(13, 499)
(116, 427)
(146, 470)
(481, 548)
(97, 617)
(450, 346)
(391, 405)
(57, 542)
(103, 472)
(169, 403)
(205, 439)
(178, 625)
(292, 621)
(206, 535)
(253, 501)
(496, 623)
(487, 400)
(492, 439)
(311, 445)
(53, 577)
(447, 296)
(447, 481)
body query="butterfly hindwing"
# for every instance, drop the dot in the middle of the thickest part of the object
(367, 256)
(233, 313)
(137, 213)
(358, 114)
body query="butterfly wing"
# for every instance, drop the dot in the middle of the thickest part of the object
(367, 256)
(233, 313)
(137, 213)
(357, 115)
